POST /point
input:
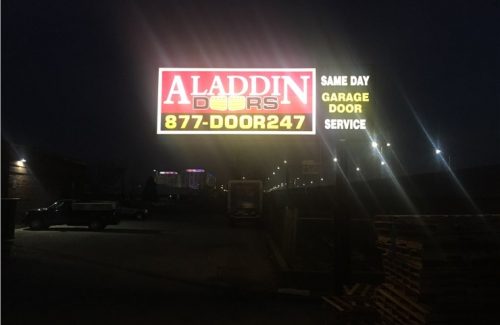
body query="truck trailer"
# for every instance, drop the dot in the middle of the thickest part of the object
(244, 200)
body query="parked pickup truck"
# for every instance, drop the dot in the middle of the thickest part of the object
(95, 215)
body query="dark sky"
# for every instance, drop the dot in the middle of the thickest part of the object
(80, 77)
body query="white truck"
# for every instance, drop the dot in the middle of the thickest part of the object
(244, 200)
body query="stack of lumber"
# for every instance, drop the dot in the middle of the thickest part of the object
(439, 269)
(353, 306)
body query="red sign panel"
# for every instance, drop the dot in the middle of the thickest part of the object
(236, 101)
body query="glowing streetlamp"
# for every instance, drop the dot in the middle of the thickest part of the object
(21, 162)
(374, 144)
(440, 153)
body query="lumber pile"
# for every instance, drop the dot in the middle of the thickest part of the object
(353, 306)
(439, 269)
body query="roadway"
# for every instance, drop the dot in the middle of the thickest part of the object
(184, 269)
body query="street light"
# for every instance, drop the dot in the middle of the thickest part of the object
(374, 144)
(278, 167)
(21, 162)
(388, 144)
(335, 159)
(382, 163)
(285, 162)
(440, 153)
(358, 169)
(274, 173)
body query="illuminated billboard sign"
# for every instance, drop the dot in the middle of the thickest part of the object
(236, 101)
(343, 101)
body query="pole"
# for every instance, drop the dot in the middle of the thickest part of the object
(341, 233)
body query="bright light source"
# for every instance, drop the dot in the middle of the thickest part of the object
(374, 144)
(285, 162)
(274, 173)
(268, 178)
(358, 169)
(335, 159)
(168, 173)
(312, 182)
(20, 163)
(437, 151)
(388, 144)
(278, 167)
(243, 177)
(322, 179)
(195, 170)
(382, 163)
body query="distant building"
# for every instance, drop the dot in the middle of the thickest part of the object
(168, 178)
(198, 179)
(172, 185)
(191, 178)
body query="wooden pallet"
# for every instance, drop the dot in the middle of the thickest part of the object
(355, 306)
(438, 269)
(398, 308)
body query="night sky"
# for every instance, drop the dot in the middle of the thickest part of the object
(79, 78)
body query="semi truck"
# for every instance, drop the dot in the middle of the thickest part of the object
(244, 200)
(96, 215)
